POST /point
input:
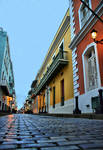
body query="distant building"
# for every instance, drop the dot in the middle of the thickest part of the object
(28, 106)
(7, 91)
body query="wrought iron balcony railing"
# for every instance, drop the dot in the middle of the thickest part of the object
(58, 63)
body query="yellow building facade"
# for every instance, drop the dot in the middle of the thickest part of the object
(54, 88)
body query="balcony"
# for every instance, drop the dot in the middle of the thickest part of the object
(58, 63)
(4, 87)
(33, 83)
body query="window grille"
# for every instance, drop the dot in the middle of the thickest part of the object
(92, 73)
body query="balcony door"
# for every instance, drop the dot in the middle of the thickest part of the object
(40, 105)
(61, 46)
(62, 92)
(54, 97)
(0, 105)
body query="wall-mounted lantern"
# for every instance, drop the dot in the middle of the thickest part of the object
(94, 35)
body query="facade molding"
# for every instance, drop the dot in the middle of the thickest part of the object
(74, 50)
(74, 68)
(74, 57)
(76, 94)
(97, 64)
(90, 5)
(76, 86)
(63, 29)
(74, 75)
(76, 78)
(88, 25)
(75, 71)
(72, 20)
(75, 83)
(66, 109)
(75, 63)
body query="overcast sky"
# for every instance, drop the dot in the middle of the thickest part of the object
(31, 26)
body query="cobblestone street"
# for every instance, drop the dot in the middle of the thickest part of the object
(50, 133)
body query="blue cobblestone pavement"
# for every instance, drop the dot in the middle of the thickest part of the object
(34, 132)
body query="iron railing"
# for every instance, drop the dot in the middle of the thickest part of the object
(58, 63)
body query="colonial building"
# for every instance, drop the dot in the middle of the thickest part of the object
(7, 91)
(87, 54)
(28, 106)
(53, 91)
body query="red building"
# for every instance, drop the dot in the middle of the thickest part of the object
(87, 56)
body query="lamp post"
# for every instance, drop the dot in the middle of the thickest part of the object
(94, 35)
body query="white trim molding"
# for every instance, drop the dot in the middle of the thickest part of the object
(75, 72)
(87, 14)
(66, 109)
(97, 65)
(72, 20)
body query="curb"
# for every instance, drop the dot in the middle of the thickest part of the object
(86, 116)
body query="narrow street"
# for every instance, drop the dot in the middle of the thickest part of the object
(23, 131)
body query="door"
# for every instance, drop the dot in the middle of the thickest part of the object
(62, 92)
(54, 97)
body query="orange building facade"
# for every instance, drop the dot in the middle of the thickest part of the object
(87, 55)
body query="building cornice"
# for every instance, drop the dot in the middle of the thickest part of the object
(55, 42)
(86, 28)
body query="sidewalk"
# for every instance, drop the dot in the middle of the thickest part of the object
(88, 116)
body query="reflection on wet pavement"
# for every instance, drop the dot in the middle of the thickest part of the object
(22, 131)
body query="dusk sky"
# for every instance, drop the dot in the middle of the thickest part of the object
(31, 26)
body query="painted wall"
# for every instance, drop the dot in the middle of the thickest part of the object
(66, 73)
(48, 60)
(82, 46)
(35, 106)
(84, 40)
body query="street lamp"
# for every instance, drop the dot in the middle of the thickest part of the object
(94, 35)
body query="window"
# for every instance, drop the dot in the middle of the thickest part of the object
(43, 99)
(61, 47)
(53, 56)
(6, 64)
(92, 71)
(62, 92)
(9, 79)
(40, 105)
(91, 68)
(47, 67)
(84, 13)
(3, 76)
